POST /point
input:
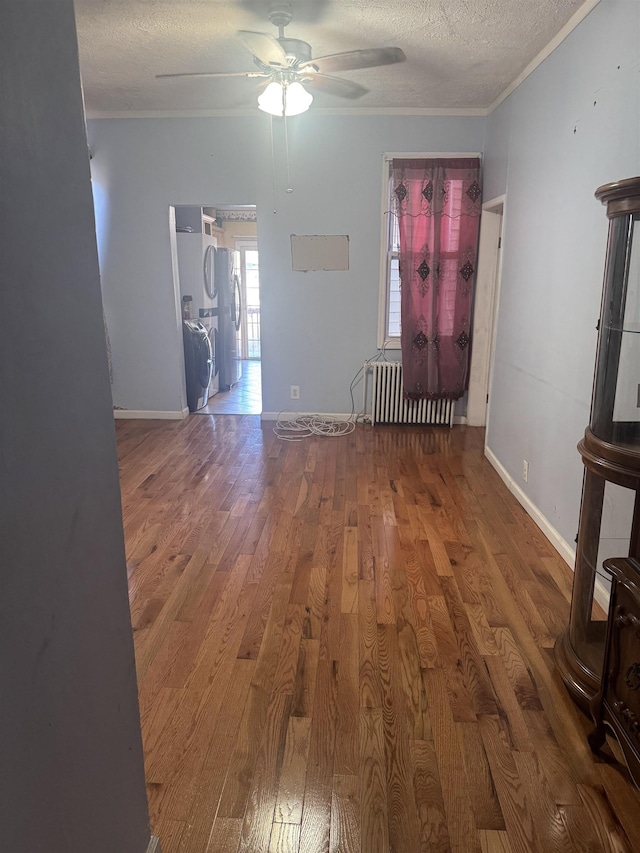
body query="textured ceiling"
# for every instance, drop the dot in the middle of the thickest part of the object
(461, 54)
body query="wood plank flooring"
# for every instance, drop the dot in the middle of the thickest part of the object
(344, 645)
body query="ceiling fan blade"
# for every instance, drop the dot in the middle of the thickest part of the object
(215, 74)
(263, 46)
(335, 86)
(353, 59)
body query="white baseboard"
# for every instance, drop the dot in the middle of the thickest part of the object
(154, 845)
(287, 415)
(140, 414)
(460, 420)
(343, 416)
(561, 545)
(568, 554)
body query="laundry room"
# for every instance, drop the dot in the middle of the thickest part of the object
(216, 276)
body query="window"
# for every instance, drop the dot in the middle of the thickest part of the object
(249, 339)
(252, 302)
(389, 321)
(393, 313)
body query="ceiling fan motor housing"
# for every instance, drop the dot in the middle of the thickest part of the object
(296, 50)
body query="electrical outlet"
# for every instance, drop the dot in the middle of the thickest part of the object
(295, 392)
(525, 470)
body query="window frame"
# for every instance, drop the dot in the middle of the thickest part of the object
(386, 341)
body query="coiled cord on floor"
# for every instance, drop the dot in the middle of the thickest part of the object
(303, 426)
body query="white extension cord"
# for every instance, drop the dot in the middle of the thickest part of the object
(303, 426)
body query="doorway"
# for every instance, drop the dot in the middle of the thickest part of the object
(221, 274)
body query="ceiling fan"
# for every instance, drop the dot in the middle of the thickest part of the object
(287, 64)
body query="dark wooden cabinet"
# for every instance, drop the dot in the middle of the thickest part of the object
(610, 509)
(617, 704)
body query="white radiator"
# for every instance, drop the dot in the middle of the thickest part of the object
(389, 406)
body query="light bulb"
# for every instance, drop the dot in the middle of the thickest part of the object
(276, 96)
(297, 99)
(270, 101)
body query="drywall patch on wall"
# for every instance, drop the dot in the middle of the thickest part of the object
(319, 252)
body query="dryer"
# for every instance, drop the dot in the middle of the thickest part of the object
(198, 363)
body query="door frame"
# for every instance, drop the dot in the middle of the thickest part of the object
(485, 310)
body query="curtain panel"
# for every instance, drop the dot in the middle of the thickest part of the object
(438, 203)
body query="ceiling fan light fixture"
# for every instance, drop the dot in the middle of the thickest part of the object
(270, 101)
(297, 99)
(288, 99)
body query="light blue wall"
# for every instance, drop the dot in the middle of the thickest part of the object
(317, 328)
(573, 125)
(496, 151)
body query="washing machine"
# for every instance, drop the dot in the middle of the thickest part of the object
(198, 363)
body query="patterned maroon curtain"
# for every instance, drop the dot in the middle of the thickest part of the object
(438, 208)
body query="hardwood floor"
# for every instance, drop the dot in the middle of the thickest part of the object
(345, 645)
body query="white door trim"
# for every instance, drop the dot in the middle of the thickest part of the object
(485, 310)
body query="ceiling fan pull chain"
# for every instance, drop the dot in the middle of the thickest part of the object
(273, 164)
(286, 141)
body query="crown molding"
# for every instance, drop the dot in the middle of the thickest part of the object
(107, 114)
(255, 113)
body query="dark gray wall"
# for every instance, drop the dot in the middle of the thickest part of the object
(71, 765)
